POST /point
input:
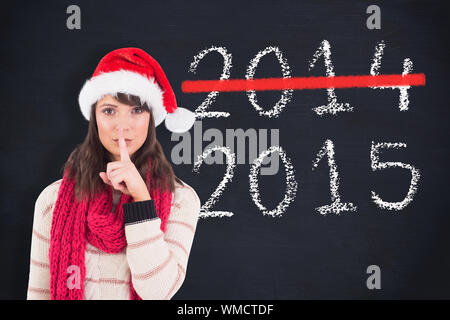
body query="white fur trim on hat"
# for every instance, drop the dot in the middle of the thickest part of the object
(126, 82)
(179, 121)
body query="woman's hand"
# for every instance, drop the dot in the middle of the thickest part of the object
(123, 176)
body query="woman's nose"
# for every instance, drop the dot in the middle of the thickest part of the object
(125, 130)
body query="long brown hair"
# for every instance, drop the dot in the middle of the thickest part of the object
(90, 158)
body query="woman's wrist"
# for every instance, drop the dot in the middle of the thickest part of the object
(142, 197)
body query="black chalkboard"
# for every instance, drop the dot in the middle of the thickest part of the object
(368, 155)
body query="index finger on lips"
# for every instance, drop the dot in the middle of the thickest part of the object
(123, 147)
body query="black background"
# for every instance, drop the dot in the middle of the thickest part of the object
(302, 255)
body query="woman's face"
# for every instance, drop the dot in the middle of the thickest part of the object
(112, 115)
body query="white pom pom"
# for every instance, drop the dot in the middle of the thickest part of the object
(179, 121)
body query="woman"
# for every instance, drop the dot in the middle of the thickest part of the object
(119, 224)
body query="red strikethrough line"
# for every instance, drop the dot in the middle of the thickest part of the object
(300, 83)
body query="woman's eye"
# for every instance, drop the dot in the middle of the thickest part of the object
(106, 111)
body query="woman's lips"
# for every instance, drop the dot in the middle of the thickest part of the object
(127, 141)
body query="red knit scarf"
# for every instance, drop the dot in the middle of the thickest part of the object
(75, 223)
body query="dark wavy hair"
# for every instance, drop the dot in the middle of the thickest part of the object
(90, 158)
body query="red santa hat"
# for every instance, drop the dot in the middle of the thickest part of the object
(133, 71)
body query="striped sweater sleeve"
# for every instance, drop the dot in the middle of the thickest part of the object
(39, 274)
(158, 260)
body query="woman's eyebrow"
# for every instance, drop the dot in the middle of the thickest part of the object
(110, 105)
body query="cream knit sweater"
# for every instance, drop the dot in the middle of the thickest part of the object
(157, 261)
